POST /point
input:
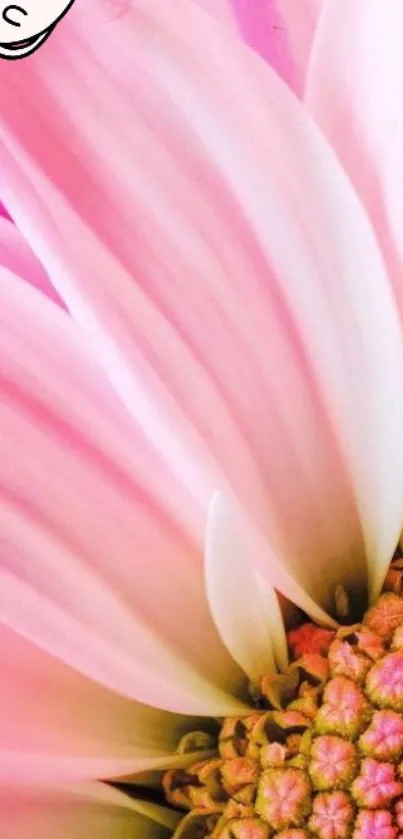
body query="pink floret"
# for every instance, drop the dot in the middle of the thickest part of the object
(332, 815)
(385, 682)
(374, 825)
(376, 785)
(384, 737)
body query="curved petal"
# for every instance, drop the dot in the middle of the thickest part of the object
(222, 10)
(243, 620)
(280, 31)
(299, 20)
(242, 338)
(16, 255)
(354, 90)
(126, 593)
(56, 723)
(75, 812)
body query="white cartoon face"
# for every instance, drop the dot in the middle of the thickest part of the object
(25, 24)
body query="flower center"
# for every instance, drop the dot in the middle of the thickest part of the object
(324, 758)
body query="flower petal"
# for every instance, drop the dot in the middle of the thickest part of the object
(126, 592)
(75, 812)
(16, 255)
(222, 10)
(355, 85)
(354, 88)
(241, 338)
(56, 723)
(281, 31)
(299, 19)
(246, 625)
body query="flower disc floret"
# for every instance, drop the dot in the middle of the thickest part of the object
(283, 797)
(323, 757)
(383, 738)
(384, 683)
(377, 824)
(344, 710)
(333, 763)
(333, 815)
(376, 785)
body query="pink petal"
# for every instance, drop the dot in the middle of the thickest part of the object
(200, 249)
(89, 810)
(56, 723)
(280, 31)
(81, 484)
(16, 255)
(299, 19)
(247, 627)
(222, 10)
(354, 91)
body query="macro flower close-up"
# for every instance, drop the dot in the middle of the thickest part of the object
(201, 423)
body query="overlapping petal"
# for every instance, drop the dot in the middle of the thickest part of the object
(77, 812)
(57, 724)
(354, 90)
(93, 567)
(299, 20)
(218, 258)
(16, 255)
(249, 624)
(280, 31)
(222, 10)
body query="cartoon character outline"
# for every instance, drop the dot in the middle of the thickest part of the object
(32, 21)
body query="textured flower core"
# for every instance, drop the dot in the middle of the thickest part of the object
(324, 758)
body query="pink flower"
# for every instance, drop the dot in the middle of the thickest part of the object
(231, 327)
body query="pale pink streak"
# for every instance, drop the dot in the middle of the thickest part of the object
(217, 257)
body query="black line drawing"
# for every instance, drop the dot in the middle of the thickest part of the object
(32, 22)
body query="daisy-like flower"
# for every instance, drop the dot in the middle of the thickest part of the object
(225, 325)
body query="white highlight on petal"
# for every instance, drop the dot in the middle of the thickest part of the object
(234, 593)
